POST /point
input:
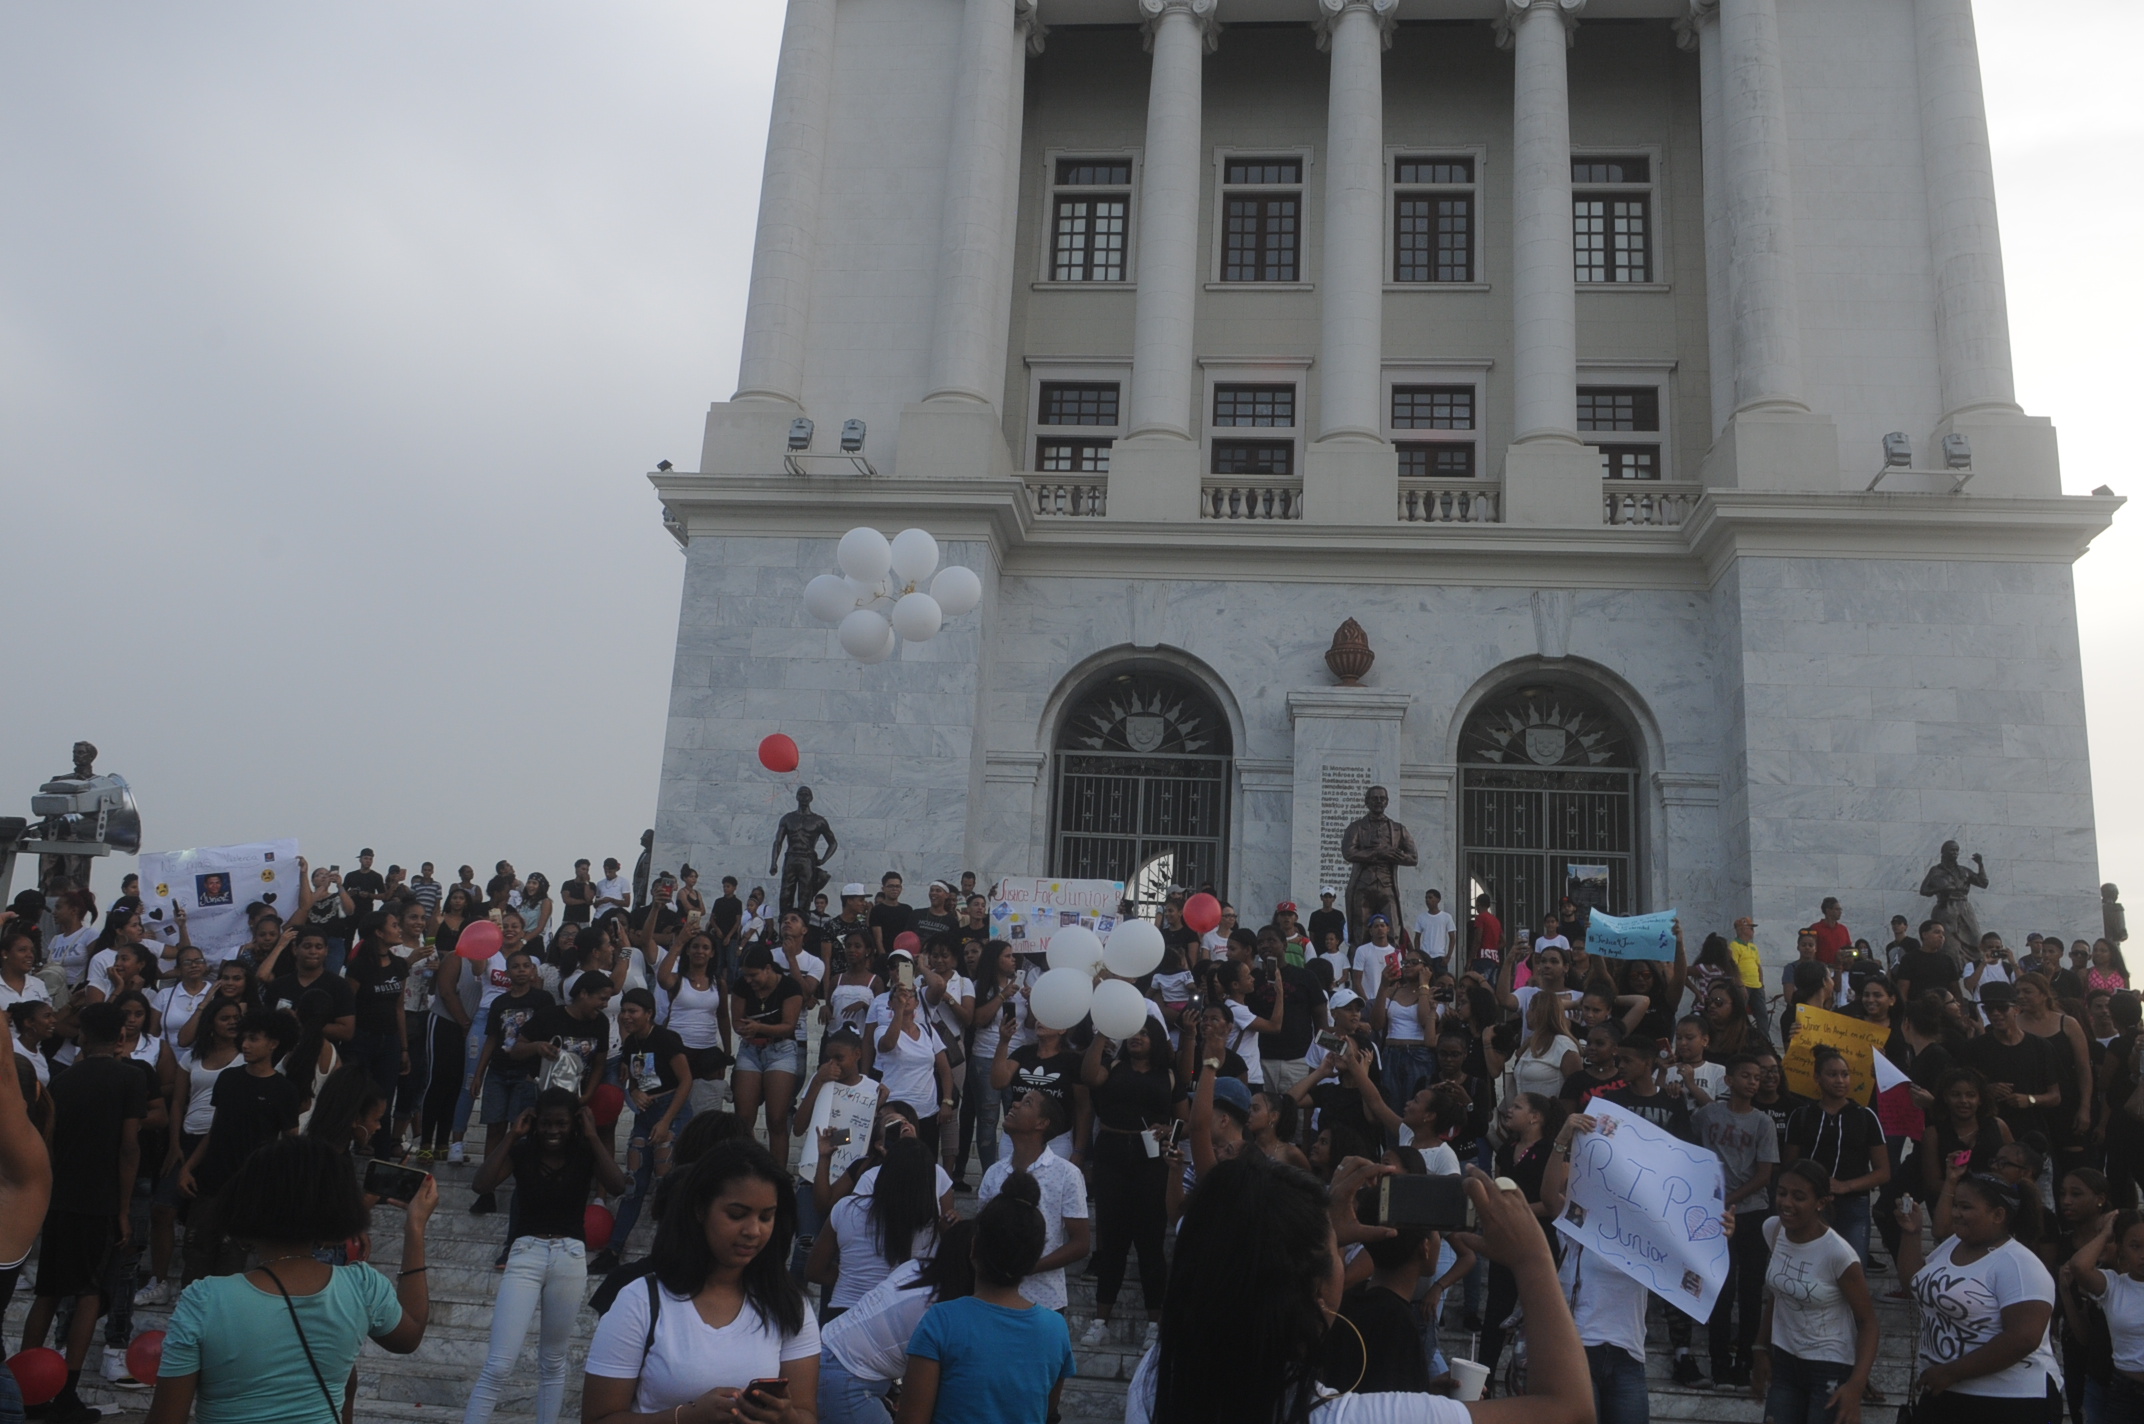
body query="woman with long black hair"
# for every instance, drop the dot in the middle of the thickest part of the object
(691, 975)
(380, 1046)
(720, 1310)
(1133, 1097)
(891, 1218)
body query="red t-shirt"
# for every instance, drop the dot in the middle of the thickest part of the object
(1831, 939)
(1488, 933)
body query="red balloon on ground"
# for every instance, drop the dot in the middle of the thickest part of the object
(596, 1224)
(146, 1356)
(479, 941)
(1202, 912)
(605, 1103)
(40, 1374)
(778, 753)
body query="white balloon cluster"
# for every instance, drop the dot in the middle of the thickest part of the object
(1067, 991)
(880, 595)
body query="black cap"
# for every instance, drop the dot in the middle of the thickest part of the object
(1998, 996)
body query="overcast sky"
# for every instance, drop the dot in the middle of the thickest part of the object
(335, 342)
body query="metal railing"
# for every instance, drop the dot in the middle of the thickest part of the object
(1654, 504)
(1270, 499)
(1068, 496)
(1450, 502)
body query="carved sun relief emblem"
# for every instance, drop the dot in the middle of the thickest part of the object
(1144, 716)
(1545, 726)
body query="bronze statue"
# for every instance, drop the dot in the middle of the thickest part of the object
(797, 854)
(57, 874)
(2112, 920)
(1949, 884)
(1376, 845)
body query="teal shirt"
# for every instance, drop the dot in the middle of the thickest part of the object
(241, 1342)
(995, 1365)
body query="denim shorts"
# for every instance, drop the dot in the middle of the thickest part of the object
(787, 1056)
(507, 1098)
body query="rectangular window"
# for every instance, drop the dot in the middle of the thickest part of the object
(1423, 460)
(1612, 231)
(1432, 407)
(1078, 403)
(1273, 459)
(1433, 220)
(1635, 409)
(1088, 228)
(1630, 462)
(1262, 206)
(1266, 406)
(1067, 457)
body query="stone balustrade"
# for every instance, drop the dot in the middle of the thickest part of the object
(1661, 504)
(1449, 502)
(1270, 499)
(1063, 496)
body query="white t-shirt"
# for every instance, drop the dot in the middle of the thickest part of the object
(1390, 1408)
(808, 966)
(909, 1068)
(1712, 1077)
(614, 887)
(871, 1337)
(1342, 960)
(863, 1264)
(33, 991)
(1434, 933)
(957, 987)
(1370, 960)
(1245, 1043)
(689, 1356)
(2123, 1301)
(38, 1064)
(1552, 942)
(71, 952)
(1439, 1161)
(174, 1005)
(1810, 1317)
(1961, 1310)
(1064, 1198)
(1608, 1305)
(1543, 1073)
(99, 973)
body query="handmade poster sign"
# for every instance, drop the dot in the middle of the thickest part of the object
(214, 884)
(1631, 936)
(845, 1109)
(1861, 1042)
(1026, 911)
(1650, 1205)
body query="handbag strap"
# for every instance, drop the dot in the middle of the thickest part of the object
(304, 1344)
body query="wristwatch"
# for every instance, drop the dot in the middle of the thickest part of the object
(2031, 1101)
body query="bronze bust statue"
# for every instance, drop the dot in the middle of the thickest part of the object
(1376, 846)
(797, 854)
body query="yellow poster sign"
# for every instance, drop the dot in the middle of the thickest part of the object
(1858, 1040)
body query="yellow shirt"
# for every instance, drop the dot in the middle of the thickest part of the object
(1747, 960)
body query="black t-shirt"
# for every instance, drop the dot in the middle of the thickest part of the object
(2028, 1066)
(579, 898)
(1584, 1084)
(284, 992)
(891, 921)
(1055, 1075)
(1323, 922)
(589, 1037)
(548, 1202)
(250, 1111)
(1300, 1023)
(378, 991)
(365, 887)
(1839, 1142)
(1387, 1358)
(929, 925)
(1131, 1099)
(1184, 940)
(1925, 970)
(1781, 1113)
(724, 914)
(92, 1102)
(651, 1061)
(751, 1008)
(504, 1020)
(1661, 1109)
(1527, 1168)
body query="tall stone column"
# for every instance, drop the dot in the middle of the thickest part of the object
(1154, 472)
(1550, 476)
(1700, 31)
(778, 304)
(1351, 474)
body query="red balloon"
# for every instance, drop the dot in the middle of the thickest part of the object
(596, 1224)
(908, 940)
(1202, 912)
(778, 753)
(605, 1103)
(479, 941)
(146, 1356)
(40, 1374)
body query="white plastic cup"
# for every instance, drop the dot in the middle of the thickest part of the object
(1471, 1376)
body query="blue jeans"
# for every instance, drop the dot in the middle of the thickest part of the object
(1618, 1385)
(541, 1274)
(1850, 1218)
(641, 1155)
(1409, 1068)
(2118, 1401)
(845, 1399)
(1801, 1387)
(785, 1056)
(471, 1051)
(10, 1399)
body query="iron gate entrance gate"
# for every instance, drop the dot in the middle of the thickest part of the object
(1141, 793)
(1547, 782)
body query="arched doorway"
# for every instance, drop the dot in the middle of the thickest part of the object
(1548, 789)
(1141, 776)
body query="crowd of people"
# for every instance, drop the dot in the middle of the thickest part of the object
(805, 1094)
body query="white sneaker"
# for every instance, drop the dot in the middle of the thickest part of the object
(115, 1370)
(1097, 1334)
(455, 1155)
(157, 1292)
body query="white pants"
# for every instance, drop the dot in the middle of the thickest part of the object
(541, 1272)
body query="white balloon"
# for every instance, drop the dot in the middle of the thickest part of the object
(1119, 1009)
(1075, 947)
(884, 650)
(915, 554)
(1134, 948)
(829, 597)
(957, 590)
(864, 555)
(1060, 998)
(864, 635)
(916, 617)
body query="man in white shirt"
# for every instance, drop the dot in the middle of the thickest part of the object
(1373, 958)
(1608, 1306)
(1031, 1122)
(613, 891)
(1434, 928)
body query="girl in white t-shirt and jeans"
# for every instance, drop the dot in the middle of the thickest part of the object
(2108, 1270)
(1986, 1301)
(1817, 1340)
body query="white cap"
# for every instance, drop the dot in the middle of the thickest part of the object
(1327, 890)
(856, 889)
(1342, 998)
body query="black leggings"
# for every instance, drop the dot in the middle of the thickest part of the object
(1503, 1299)
(1130, 1210)
(450, 1043)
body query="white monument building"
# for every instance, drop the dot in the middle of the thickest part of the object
(1636, 373)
